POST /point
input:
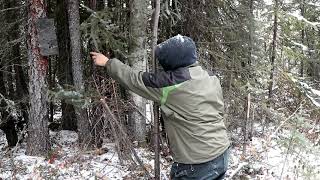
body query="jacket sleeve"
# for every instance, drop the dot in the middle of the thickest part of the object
(132, 79)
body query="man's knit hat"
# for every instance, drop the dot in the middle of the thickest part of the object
(178, 51)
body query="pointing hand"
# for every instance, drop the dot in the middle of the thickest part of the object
(99, 59)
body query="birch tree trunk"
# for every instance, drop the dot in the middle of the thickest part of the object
(138, 61)
(75, 45)
(38, 132)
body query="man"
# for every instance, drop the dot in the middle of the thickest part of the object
(191, 103)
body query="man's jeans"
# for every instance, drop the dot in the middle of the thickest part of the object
(214, 169)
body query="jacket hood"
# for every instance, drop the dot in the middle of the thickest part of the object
(178, 51)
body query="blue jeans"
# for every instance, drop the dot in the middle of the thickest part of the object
(214, 169)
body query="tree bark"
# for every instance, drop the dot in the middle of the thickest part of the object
(251, 32)
(245, 124)
(13, 78)
(38, 133)
(96, 4)
(75, 45)
(138, 60)
(21, 76)
(64, 75)
(274, 50)
(97, 122)
(6, 121)
(302, 39)
(156, 106)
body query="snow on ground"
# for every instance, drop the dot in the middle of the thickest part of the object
(269, 158)
(266, 158)
(57, 115)
(66, 162)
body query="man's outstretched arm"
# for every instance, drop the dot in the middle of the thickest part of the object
(128, 77)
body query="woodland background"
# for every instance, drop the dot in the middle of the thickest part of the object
(266, 54)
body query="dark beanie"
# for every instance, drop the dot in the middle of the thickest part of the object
(178, 51)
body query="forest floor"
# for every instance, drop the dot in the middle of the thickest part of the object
(265, 158)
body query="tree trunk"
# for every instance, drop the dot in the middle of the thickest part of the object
(138, 60)
(274, 50)
(302, 40)
(75, 46)
(38, 133)
(251, 32)
(68, 118)
(245, 124)
(156, 129)
(12, 18)
(97, 122)
(96, 4)
(6, 121)
(19, 76)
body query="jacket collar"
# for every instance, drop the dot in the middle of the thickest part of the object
(194, 64)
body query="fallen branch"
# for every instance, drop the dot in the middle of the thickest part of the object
(286, 120)
(235, 172)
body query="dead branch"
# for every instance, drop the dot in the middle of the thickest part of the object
(235, 172)
(120, 137)
(124, 137)
(286, 120)
(12, 8)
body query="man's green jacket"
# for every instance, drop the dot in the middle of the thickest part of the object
(192, 107)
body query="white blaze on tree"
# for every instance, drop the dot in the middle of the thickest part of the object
(38, 132)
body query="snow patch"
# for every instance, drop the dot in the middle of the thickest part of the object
(304, 47)
(179, 37)
(57, 115)
(301, 18)
(149, 113)
(268, 2)
(317, 4)
(66, 161)
(317, 92)
(268, 159)
(312, 94)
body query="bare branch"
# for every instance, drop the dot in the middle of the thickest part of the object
(12, 8)
(237, 170)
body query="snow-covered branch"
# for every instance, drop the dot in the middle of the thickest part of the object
(316, 25)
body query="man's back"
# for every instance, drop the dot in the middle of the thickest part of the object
(192, 107)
